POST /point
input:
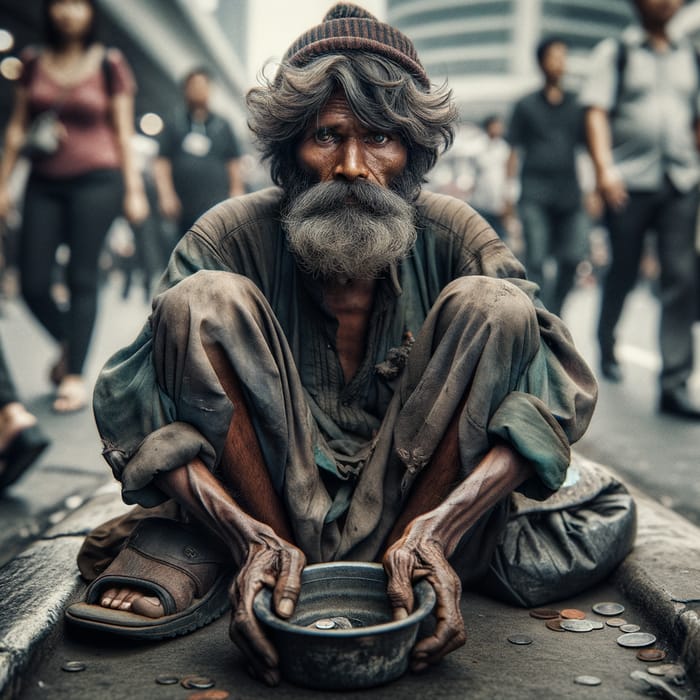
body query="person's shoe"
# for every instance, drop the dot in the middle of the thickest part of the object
(677, 402)
(611, 370)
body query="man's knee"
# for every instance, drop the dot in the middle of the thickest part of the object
(204, 294)
(488, 299)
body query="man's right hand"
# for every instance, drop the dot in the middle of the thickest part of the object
(277, 564)
(612, 188)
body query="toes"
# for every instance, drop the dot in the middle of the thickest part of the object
(148, 606)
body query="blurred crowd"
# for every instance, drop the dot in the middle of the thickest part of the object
(598, 186)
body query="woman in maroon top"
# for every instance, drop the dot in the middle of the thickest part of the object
(74, 194)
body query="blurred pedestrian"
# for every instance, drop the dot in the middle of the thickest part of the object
(198, 164)
(545, 130)
(81, 94)
(21, 439)
(488, 163)
(643, 131)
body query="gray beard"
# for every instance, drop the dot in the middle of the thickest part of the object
(349, 230)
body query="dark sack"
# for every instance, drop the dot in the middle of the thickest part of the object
(556, 548)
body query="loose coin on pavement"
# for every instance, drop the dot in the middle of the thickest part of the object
(554, 625)
(167, 680)
(520, 639)
(615, 622)
(587, 680)
(636, 639)
(73, 666)
(544, 613)
(572, 614)
(197, 683)
(209, 695)
(597, 624)
(629, 628)
(607, 608)
(651, 654)
(666, 669)
(577, 625)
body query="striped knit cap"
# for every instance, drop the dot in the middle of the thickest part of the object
(347, 27)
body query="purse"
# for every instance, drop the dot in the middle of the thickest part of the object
(42, 139)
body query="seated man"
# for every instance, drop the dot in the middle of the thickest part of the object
(341, 367)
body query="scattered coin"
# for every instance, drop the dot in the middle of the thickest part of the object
(209, 695)
(597, 624)
(651, 655)
(636, 639)
(666, 669)
(577, 625)
(73, 666)
(197, 683)
(615, 622)
(324, 624)
(544, 613)
(554, 625)
(607, 608)
(167, 680)
(587, 680)
(572, 614)
(520, 639)
(629, 628)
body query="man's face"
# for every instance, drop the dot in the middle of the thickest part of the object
(343, 218)
(197, 91)
(658, 13)
(337, 147)
(554, 61)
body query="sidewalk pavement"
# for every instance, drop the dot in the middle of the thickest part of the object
(660, 579)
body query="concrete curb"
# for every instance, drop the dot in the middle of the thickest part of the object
(661, 577)
(36, 585)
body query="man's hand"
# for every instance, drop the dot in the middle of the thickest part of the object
(612, 188)
(274, 563)
(414, 556)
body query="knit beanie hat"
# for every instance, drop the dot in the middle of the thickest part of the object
(347, 27)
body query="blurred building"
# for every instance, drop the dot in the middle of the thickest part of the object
(485, 48)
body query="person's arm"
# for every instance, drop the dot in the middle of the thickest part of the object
(15, 134)
(608, 180)
(235, 178)
(168, 201)
(430, 539)
(135, 201)
(262, 557)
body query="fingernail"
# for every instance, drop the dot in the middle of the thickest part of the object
(286, 607)
(400, 613)
(419, 667)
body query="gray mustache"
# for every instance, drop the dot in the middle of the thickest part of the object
(324, 197)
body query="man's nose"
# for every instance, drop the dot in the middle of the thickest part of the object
(351, 163)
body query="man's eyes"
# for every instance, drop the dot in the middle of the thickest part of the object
(330, 136)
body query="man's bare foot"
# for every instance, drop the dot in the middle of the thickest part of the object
(14, 418)
(132, 600)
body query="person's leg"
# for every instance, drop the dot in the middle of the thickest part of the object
(94, 203)
(42, 229)
(626, 229)
(674, 221)
(570, 248)
(536, 232)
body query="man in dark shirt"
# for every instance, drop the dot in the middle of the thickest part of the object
(546, 127)
(198, 163)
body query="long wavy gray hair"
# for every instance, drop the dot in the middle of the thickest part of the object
(382, 95)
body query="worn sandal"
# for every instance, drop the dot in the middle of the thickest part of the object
(188, 572)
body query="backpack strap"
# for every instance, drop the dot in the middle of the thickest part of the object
(620, 66)
(108, 73)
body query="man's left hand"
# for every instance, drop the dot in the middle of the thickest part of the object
(415, 556)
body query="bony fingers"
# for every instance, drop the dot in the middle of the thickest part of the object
(244, 626)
